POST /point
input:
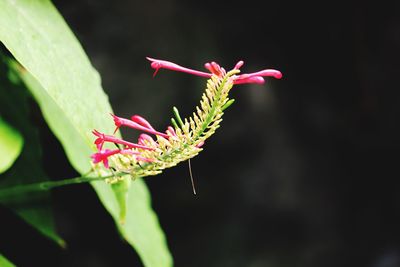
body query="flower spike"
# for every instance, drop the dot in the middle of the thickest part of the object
(186, 137)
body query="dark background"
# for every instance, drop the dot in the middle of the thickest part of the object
(304, 170)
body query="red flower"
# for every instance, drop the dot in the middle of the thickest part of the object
(171, 131)
(142, 121)
(137, 123)
(162, 64)
(148, 138)
(215, 69)
(112, 139)
(103, 155)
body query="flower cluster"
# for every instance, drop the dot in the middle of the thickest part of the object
(154, 150)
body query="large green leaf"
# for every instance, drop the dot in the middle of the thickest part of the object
(11, 143)
(73, 103)
(4, 262)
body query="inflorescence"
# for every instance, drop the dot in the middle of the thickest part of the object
(154, 150)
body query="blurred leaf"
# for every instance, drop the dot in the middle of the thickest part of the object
(73, 103)
(35, 207)
(141, 226)
(11, 143)
(4, 262)
(121, 191)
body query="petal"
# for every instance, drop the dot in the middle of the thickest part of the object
(163, 64)
(142, 121)
(249, 79)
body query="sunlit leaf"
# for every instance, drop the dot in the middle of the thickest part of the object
(11, 143)
(73, 103)
(4, 262)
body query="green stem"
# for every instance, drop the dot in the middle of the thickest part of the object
(48, 185)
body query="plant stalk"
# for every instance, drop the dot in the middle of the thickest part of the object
(48, 185)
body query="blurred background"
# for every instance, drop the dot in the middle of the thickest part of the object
(304, 171)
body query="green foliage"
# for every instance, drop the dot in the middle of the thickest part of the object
(4, 262)
(68, 91)
(35, 207)
(11, 143)
(47, 49)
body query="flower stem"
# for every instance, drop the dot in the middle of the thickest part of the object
(48, 185)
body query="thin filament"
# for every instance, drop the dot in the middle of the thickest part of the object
(191, 178)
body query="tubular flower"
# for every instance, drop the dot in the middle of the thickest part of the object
(103, 155)
(142, 121)
(145, 139)
(137, 123)
(215, 69)
(102, 138)
(185, 138)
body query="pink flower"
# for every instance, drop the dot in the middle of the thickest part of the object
(102, 156)
(148, 138)
(102, 138)
(215, 69)
(140, 158)
(137, 123)
(257, 77)
(142, 121)
(171, 131)
(199, 145)
(162, 64)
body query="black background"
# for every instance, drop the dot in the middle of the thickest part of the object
(302, 173)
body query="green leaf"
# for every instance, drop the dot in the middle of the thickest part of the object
(47, 49)
(73, 103)
(121, 191)
(11, 143)
(4, 262)
(34, 208)
(141, 228)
